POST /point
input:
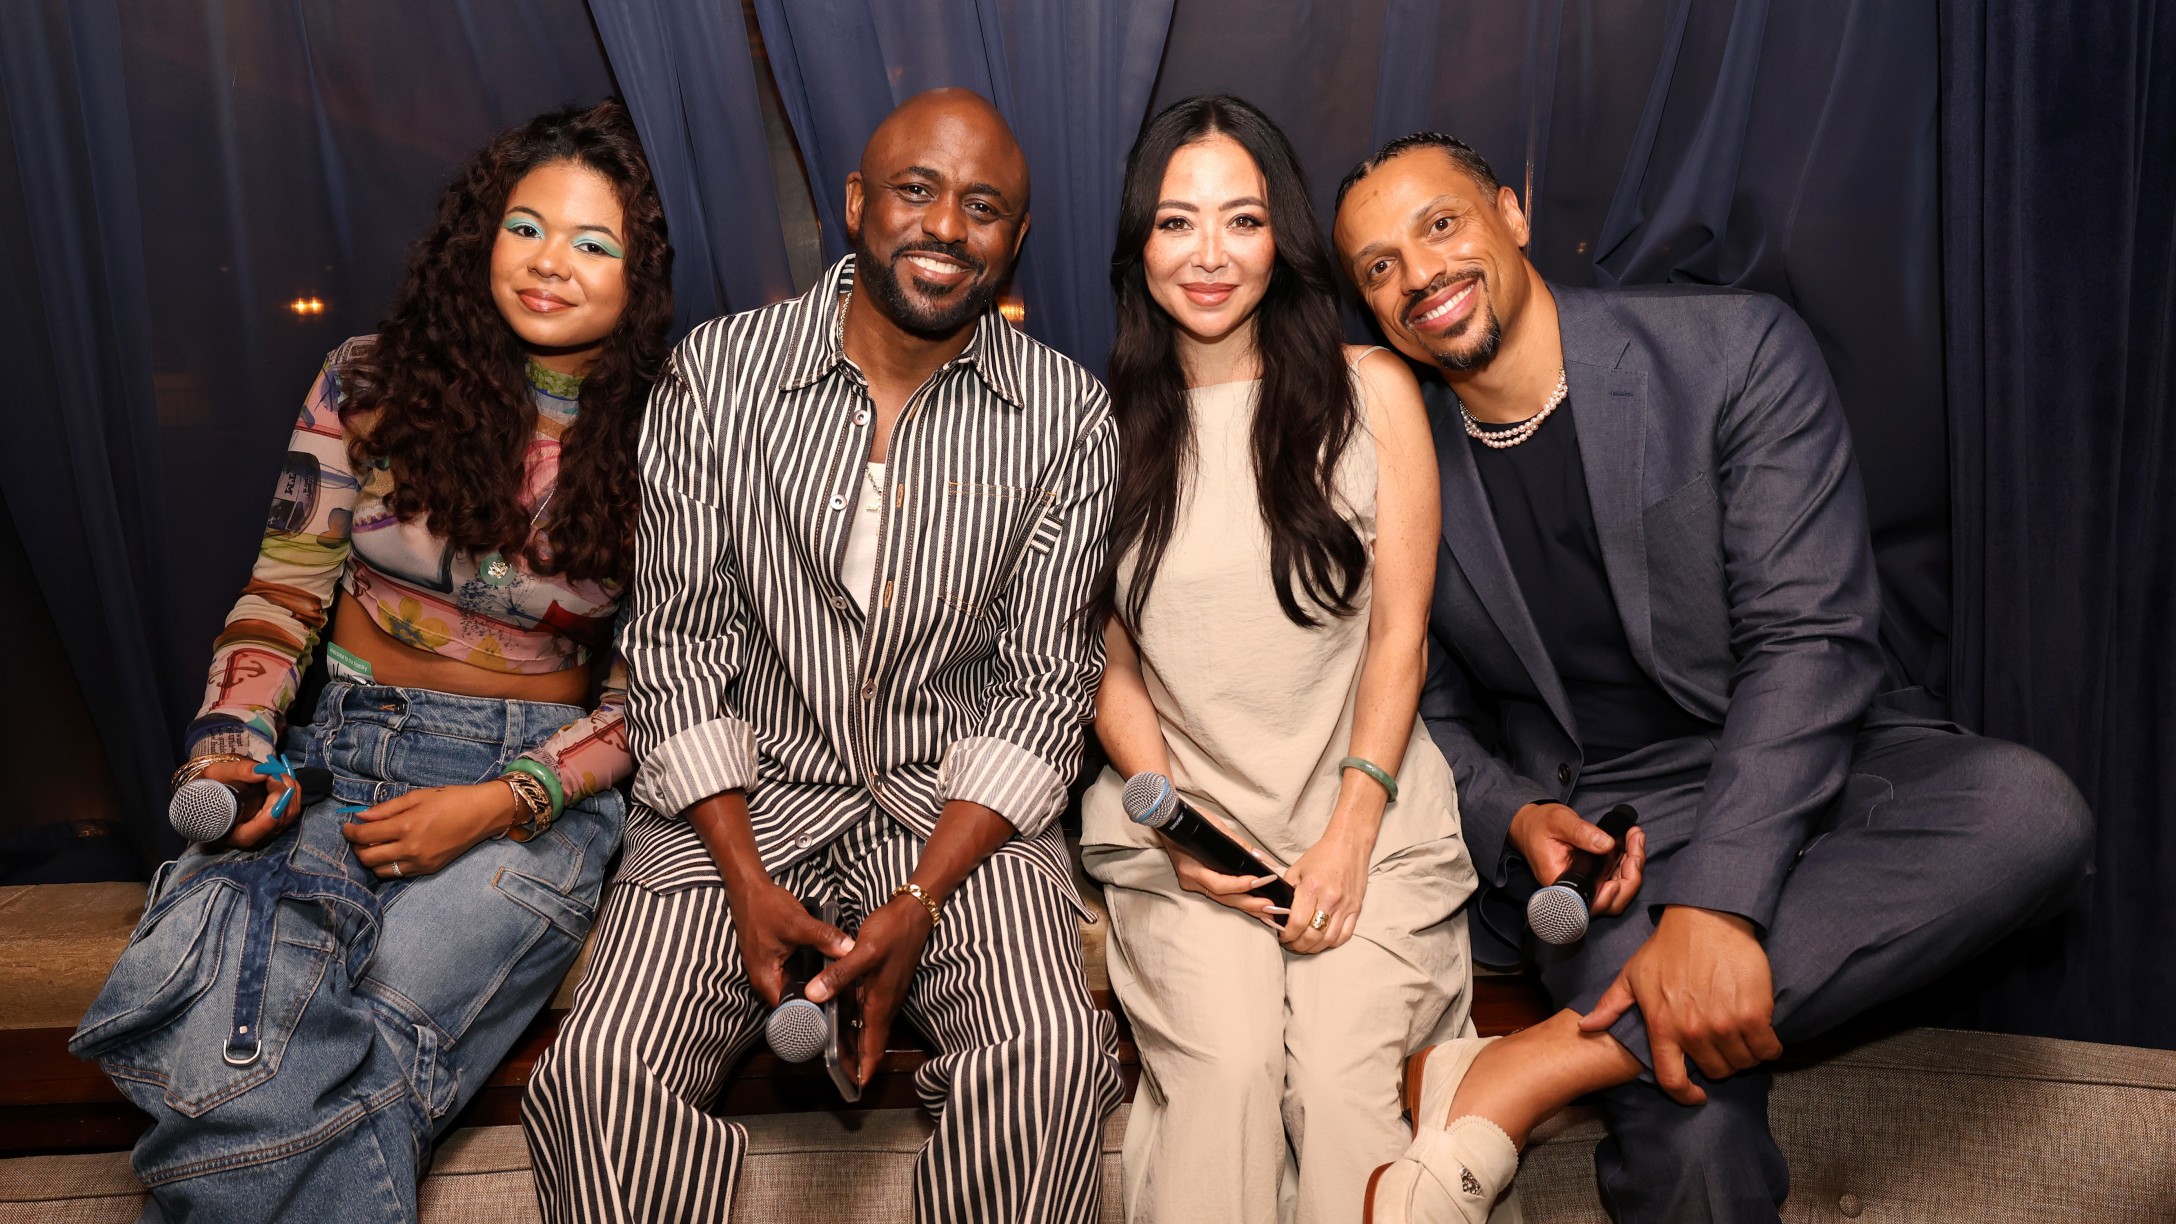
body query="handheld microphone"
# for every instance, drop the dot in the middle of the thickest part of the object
(798, 1029)
(1557, 913)
(1151, 800)
(205, 810)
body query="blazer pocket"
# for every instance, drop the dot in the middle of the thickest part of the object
(1696, 497)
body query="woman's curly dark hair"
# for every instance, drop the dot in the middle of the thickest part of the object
(445, 379)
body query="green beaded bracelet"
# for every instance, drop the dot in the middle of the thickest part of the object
(542, 773)
(1371, 769)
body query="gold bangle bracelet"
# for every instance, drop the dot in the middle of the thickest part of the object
(928, 902)
(194, 768)
(533, 800)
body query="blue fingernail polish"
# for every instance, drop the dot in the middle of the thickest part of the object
(266, 769)
(279, 809)
(350, 809)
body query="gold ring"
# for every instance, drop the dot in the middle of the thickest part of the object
(1319, 921)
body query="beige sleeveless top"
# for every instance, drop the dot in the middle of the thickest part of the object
(1256, 710)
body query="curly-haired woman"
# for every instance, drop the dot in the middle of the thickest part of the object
(309, 1000)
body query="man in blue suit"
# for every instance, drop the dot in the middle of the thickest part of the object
(1657, 587)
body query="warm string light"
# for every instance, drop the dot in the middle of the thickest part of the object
(1013, 310)
(307, 306)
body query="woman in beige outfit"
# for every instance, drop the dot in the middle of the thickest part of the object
(1273, 551)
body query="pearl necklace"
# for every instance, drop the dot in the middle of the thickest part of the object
(1504, 439)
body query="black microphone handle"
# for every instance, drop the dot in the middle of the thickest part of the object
(316, 783)
(1219, 852)
(801, 968)
(1587, 869)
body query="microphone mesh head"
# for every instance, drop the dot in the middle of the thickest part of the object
(203, 810)
(1557, 915)
(1148, 799)
(797, 1031)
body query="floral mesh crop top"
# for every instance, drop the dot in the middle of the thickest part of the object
(328, 528)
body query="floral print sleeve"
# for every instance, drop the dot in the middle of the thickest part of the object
(591, 753)
(330, 526)
(273, 628)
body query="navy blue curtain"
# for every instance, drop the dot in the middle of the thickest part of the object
(1969, 203)
(690, 80)
(1073, 79)
(2059, 232)
(1785, 148)
(191, 169)
(78, 471)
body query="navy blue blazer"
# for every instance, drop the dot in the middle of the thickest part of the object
(1733, 530)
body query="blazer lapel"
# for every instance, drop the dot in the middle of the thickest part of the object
(1609, 406)
(1469, 527)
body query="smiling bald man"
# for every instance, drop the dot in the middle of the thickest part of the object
(869, 516)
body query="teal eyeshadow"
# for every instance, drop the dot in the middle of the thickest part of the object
(610, 247)
(509, 224)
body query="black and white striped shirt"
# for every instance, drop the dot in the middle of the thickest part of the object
(751, 666)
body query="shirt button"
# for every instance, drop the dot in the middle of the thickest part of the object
(838, 501)
(806, 841)
(1850, 1206)
(839, 602)
(868, 690)
(862, 417)
(1564, 774)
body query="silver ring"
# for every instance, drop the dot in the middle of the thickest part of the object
(1319, 921)
(396, 867)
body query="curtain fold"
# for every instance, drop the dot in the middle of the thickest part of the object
(80, 468)
(1788, 149)
(688, 76)
(1967, 202)
(2060, 286)
(1072, 79)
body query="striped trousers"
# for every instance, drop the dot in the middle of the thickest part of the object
(616, 1114)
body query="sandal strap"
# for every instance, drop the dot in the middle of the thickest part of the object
(1473, 1159)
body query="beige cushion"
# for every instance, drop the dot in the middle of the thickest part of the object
(813, 1167)
(1938, 1126)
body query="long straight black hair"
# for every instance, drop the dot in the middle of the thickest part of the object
(1304, 416)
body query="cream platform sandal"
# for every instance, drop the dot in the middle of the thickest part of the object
(1452, 1174)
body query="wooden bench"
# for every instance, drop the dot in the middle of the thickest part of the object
(58, 940)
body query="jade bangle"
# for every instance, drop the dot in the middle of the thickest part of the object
(542, 773)
(1371, 769)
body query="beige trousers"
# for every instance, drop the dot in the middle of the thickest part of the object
(1269, 1080)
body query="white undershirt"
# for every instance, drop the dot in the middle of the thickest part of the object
(859, 570)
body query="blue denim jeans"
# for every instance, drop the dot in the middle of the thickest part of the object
(299, 1030)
